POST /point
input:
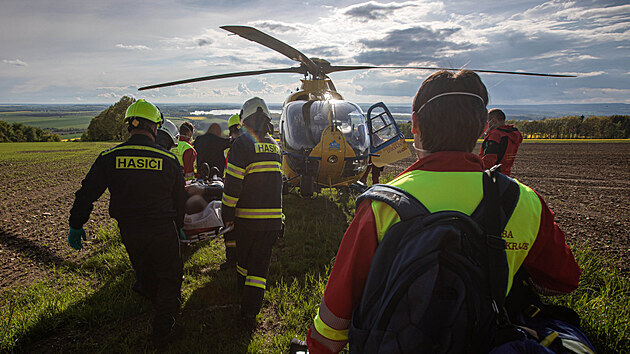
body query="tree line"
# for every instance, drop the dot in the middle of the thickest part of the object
(568, 127)
(17, 132)
(576, 127)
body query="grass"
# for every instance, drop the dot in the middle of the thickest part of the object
(602, 301)
(89, 307)
(59, 120)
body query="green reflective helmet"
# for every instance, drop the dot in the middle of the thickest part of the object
(234, 120)
(146, 110)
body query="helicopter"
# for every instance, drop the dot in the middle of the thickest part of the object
(327, 141)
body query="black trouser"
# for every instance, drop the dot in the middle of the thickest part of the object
(254, 256)
(230, 246)
(153, 249)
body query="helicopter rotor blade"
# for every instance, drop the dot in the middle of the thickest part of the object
(297, 69)
(337, 68)
(270, 42)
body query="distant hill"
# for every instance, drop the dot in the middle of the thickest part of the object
(402, 112)
(535, 112)
(69, 120)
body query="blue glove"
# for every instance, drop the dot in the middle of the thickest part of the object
(182, 235)
(74, 238)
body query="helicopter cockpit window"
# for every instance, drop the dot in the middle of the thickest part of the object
(382, 129)
(305, 132)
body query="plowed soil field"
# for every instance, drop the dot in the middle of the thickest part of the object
(586, 184)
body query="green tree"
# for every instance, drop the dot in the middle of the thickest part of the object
(109, 124)
(405, 128)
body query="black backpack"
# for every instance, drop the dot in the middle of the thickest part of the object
(429, 288)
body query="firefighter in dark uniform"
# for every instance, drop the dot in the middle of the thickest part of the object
(252, 200)
(146, 185)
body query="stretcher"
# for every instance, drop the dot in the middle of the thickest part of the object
(206, 224)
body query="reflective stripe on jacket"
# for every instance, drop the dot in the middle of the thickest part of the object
(253, 183)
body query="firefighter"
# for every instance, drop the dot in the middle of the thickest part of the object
(252, 201)
(500, 143)
(167, 135)
(234, 126)
(186, 153)
(146, 186)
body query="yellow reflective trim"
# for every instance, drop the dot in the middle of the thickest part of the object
(138, 163)
(257, 282)
(329, 332)
(235, 168)
(259, 213)
(229, 201)
(266, 148)
(242, 271)
(521, 230)
(264, 166)
(139, 147)
(233, 174)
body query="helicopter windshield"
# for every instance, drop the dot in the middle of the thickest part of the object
(302, 132)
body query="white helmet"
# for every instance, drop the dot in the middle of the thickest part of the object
(169, 128)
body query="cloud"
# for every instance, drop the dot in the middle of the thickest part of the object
(132, 47)
(15, 62)
(373, 10)
(275, 26)
(203, 41)
(412, 45)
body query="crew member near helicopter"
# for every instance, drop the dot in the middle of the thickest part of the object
(252, 200)
(147, 197)
(186, 153)
(229, 238)
(210, 146)
(500, 142)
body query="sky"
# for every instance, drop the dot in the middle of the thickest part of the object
(75, 51)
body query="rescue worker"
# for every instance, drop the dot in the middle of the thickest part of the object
(186, 153)
(229, 238)
(500, 142)
(252, 201)
(167, 135)
(147, 200)
(449, 113)
(210, 148)
(376, 173)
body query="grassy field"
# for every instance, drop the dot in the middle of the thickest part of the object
(59, 120)
(88, 306)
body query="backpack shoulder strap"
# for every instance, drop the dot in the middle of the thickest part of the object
(405, 204)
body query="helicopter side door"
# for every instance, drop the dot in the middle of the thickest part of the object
(387, 143)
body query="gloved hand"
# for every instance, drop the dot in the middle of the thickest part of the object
(182, 235)
(75, 236)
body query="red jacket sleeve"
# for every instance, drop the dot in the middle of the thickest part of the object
(489, 157)
(189, 157)
(550, 261)
(347, 278)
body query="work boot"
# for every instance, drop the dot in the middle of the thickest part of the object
(248, 322)
(298, 346)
